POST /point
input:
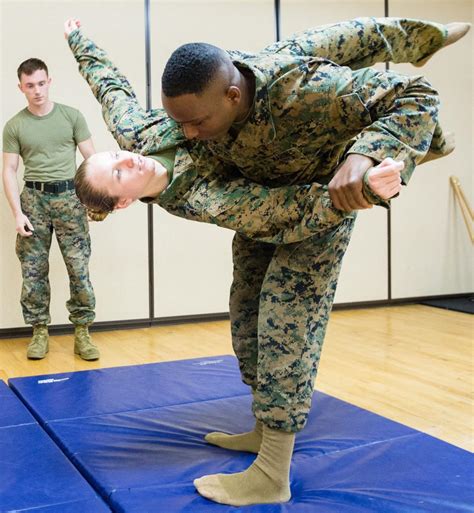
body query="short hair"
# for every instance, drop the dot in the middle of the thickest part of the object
(29, 66)
(191, 68)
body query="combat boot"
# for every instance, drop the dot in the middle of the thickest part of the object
(39, 345)
(83, 345)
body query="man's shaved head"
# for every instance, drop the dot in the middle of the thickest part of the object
(204, 91)
(192, 67)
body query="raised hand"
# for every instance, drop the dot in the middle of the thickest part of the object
(70, 25)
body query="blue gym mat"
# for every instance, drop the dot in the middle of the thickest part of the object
(34, 474)
(137, 433)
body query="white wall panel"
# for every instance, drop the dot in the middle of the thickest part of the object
(298, 15)
(119, 245)
(193, 262)
(431, 252)
(431, 249)
(193, 267)
(364, 275)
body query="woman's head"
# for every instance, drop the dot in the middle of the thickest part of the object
(97, 201)
(110, 180)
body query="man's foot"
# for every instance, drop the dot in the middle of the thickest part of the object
(455, 31)
(39, 345)
(252, 486)
(266, 481)
(83, 345)
(249, 441)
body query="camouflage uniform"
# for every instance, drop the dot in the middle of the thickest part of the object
(309, 113)
(274, 215)
(64, 214)
(306, 114)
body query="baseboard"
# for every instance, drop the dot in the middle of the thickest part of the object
(62, 329)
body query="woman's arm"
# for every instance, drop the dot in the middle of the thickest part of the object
(134, 128)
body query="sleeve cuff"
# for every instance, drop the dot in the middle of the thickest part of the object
(370, 196)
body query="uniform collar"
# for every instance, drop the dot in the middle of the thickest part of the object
(259, 127)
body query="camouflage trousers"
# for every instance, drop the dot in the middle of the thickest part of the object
(280, 301)
(66, 216)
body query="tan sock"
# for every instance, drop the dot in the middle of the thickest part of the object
(249, 441)
(455, 31)
(266, 481)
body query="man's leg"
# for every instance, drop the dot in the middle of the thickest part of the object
(33, 253)
(250, 259)
(72, 233)
(297, 297)
(295, 303)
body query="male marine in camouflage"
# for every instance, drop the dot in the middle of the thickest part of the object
(284, 116)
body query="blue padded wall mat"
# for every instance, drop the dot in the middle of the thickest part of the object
(143, 458)
(34, 474)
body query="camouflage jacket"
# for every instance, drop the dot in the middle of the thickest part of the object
(309, 113)
(209, 189)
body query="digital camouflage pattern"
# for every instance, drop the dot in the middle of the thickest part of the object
(280, 302)
(309, 110)
(197, 192)
(309, 113)
(64, 214)
(362, 42)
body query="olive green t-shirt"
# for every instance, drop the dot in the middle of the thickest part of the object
(47, 144)
(166, 159)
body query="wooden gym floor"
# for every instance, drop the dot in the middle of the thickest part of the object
(412, 364)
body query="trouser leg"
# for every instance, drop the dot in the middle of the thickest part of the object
(250, 259)
(33, 253)
(295, 303)
(72, 233)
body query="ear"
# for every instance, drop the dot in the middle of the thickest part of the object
(19, 87)
(124, 203)
(234, 94)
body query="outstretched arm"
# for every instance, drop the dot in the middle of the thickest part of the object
(133, 128)
(363, 42)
